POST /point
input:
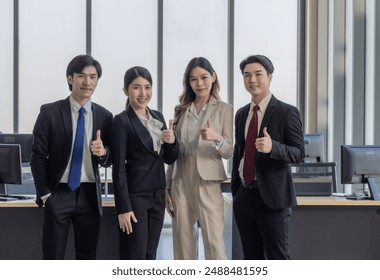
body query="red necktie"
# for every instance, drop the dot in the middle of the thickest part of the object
(250, 148)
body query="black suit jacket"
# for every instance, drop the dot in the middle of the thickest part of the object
(136, 166)
(273, 173)
(52, 142)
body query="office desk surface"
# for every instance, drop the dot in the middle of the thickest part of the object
(334, 201)
(18, 203)
(301, 200)
(107, 202)
(321, 228)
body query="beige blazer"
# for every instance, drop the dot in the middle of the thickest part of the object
(209, 160)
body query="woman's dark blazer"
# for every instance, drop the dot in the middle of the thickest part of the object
(136, 166)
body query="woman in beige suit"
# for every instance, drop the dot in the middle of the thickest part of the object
(203, 125)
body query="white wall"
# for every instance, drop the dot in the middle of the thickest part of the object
(269, 28)
(124, 34)
(6, 66)
(51, 34)
(191, 29)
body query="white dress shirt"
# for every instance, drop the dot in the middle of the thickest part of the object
(260, 113)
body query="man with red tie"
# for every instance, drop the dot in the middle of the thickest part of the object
(71, 137)
(268, 137)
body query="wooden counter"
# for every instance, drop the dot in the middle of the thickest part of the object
(302, 201)
(334, 201)
(321, 228)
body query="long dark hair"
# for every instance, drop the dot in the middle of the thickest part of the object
(134, 72)
(188, 95)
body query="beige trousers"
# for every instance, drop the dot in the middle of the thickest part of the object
(197, 200)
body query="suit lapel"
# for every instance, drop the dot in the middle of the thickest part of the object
(268, 115)
(210, 109)
(141, 131)
(96, 124)
(182, 124)
(242, 121)
(66, 119)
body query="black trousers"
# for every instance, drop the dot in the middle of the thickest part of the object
(78, 207)
(142, 243)
(264, 232)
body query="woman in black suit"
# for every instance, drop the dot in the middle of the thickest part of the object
(141, 145)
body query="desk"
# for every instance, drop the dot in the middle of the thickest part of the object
(321, 228)
(21, 232)
(334, 201)
(335, 228)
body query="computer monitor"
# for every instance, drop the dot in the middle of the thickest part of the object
(10, 164)
(314, 147)
(24, 140)
(360, 164)
(314, 176)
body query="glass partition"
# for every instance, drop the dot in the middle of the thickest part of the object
(51, 34)
(268, 28)
(123, 37)
(6, 66)
(192, 28)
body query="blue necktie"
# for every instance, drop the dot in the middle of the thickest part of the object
(77, 156)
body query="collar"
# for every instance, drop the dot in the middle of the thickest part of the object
(263, 103)
(141, 117)
(192, 108)
(76, 106)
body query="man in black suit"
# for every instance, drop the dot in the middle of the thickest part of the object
(261, 184)
(54, 162)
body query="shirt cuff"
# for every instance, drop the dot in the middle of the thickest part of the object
(218, 145)
(45, 196)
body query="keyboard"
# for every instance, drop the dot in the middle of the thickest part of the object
(356, 197)
(5, 197)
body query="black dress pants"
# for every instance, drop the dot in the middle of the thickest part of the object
(79, 207)
(142, 243)
(264, 232)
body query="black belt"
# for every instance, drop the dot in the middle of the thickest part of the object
(252, 185)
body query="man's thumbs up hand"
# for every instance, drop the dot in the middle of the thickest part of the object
(97, 147)
(98, 136)
(264, 144)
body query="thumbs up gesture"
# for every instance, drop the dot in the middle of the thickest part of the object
(209, 134)
(97, 147)
(264, 144)
(168, 134)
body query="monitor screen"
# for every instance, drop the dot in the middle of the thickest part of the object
(10, 164)
(314, 147)
(24, 140)
(359, 162)
(360, 165)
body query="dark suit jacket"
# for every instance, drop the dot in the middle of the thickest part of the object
(273, 172)
(52, 142)
(136, 166)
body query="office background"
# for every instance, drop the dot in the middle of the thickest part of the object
(324, 54)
